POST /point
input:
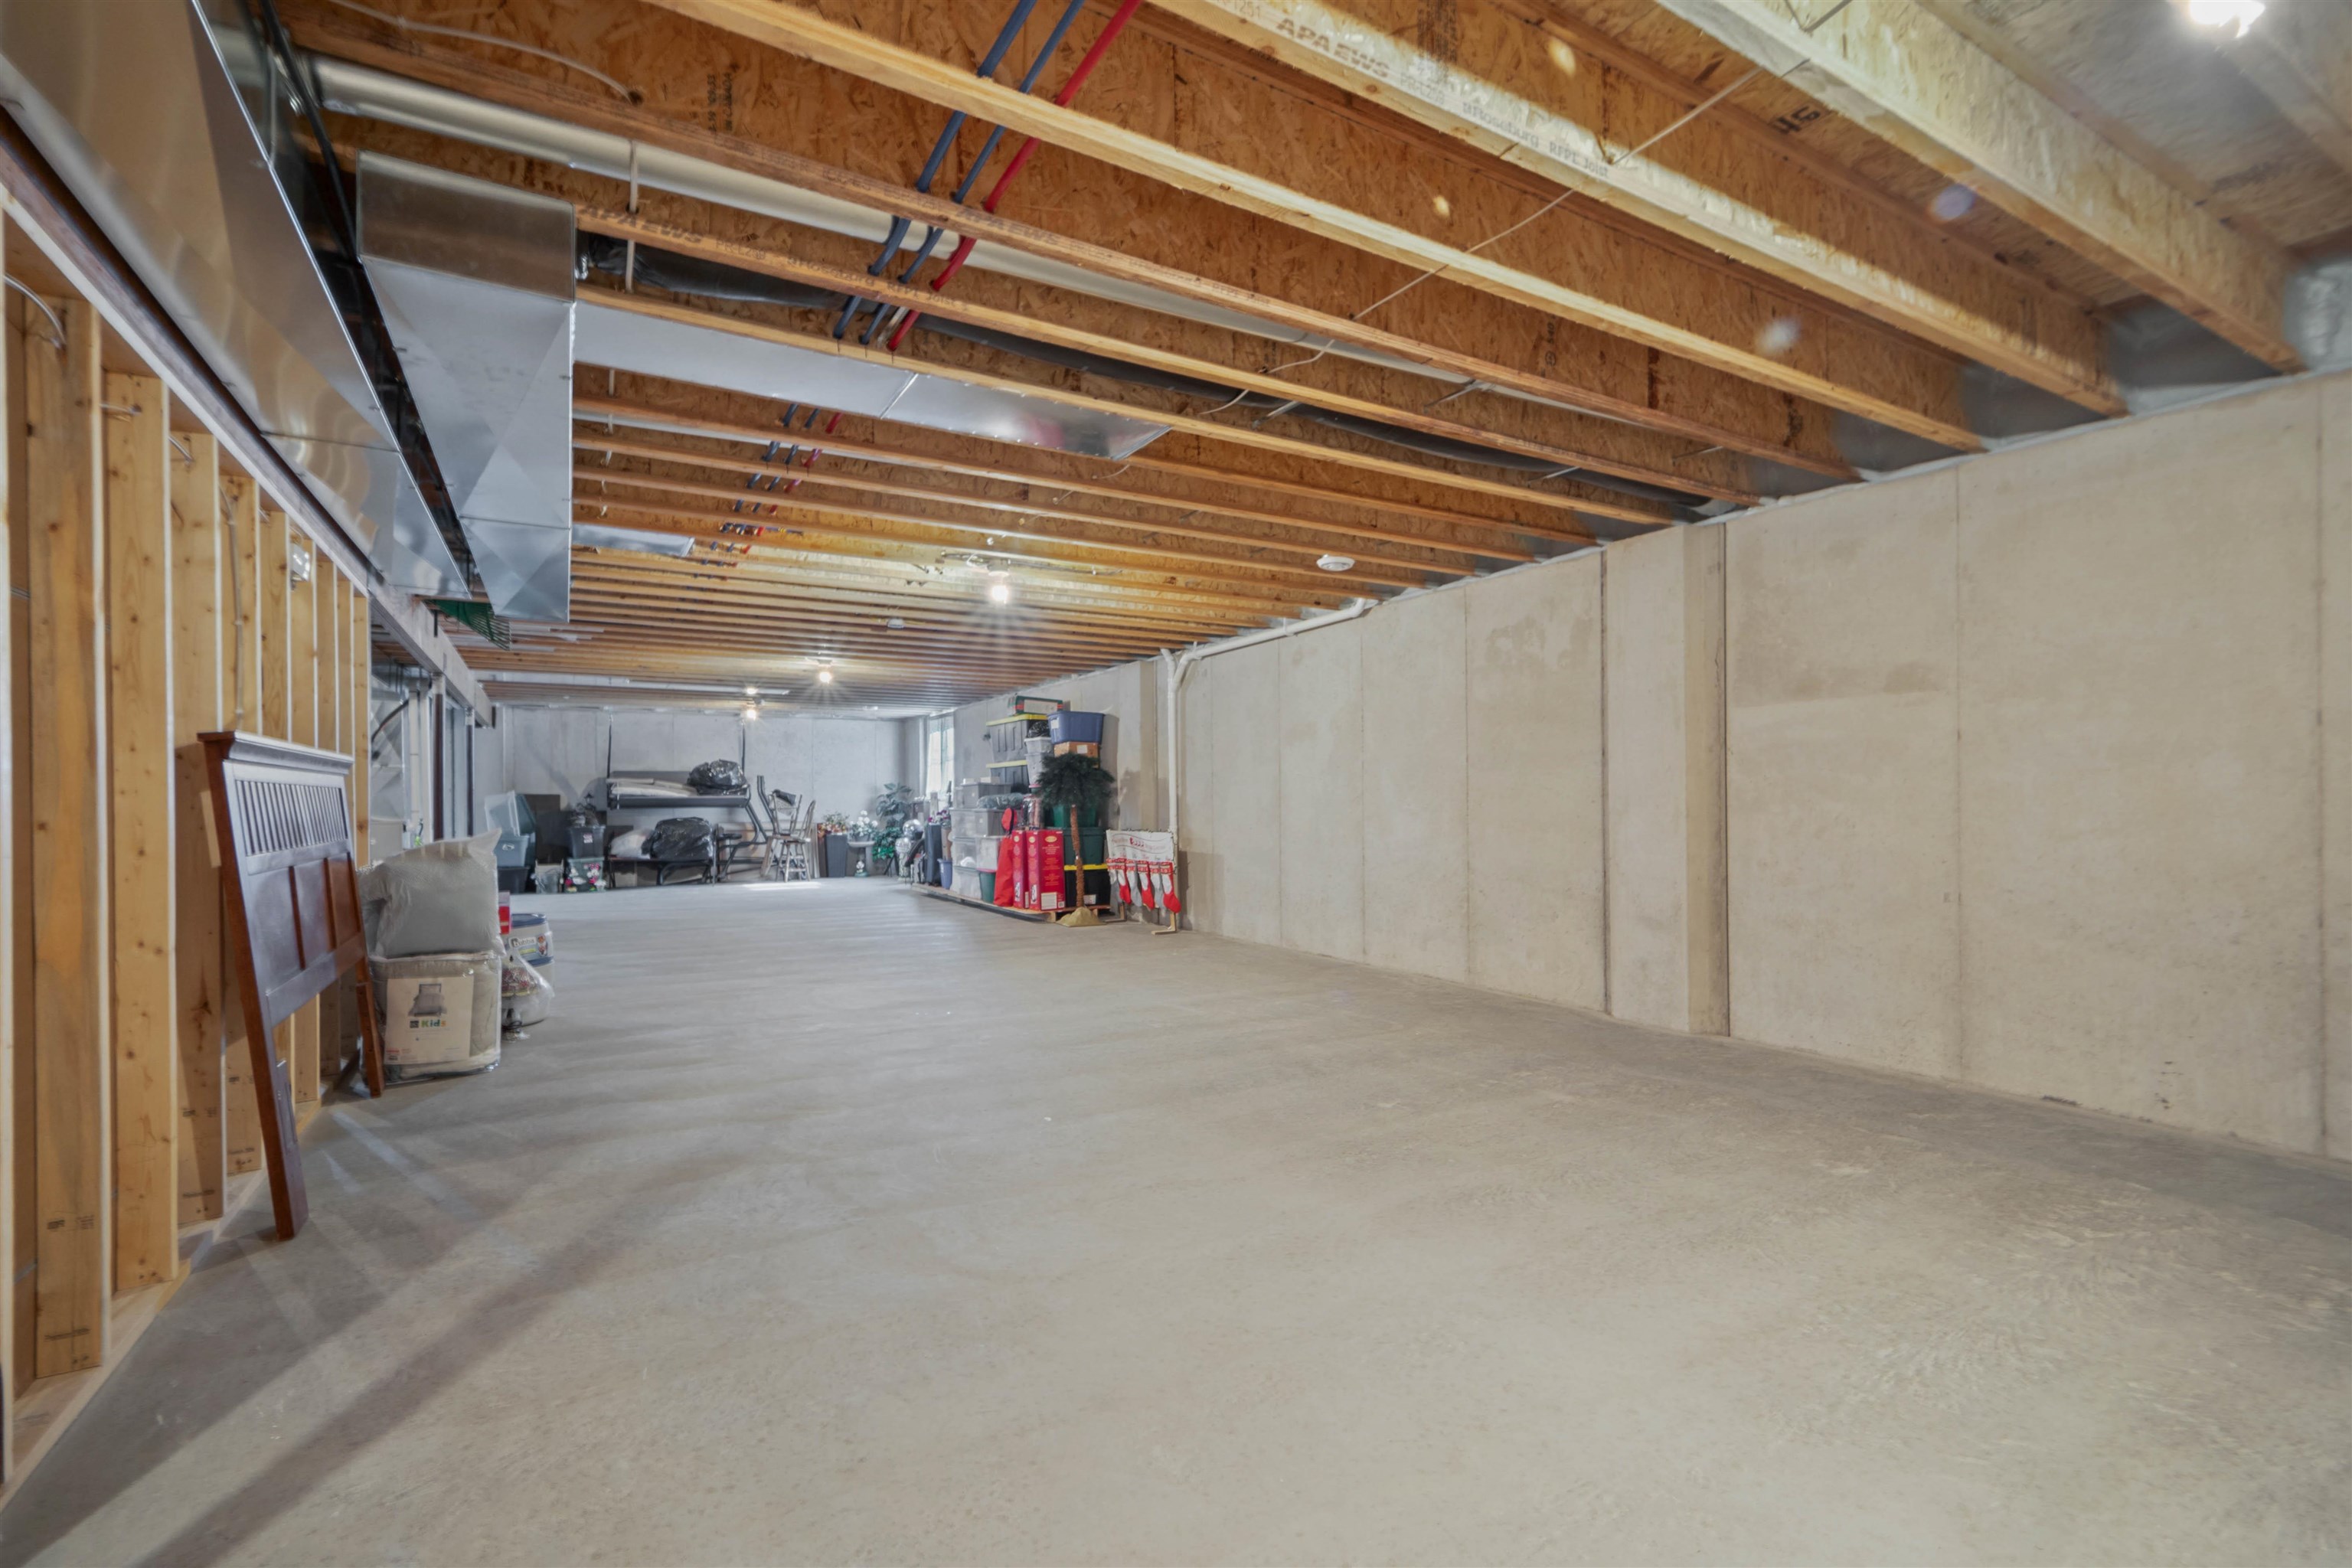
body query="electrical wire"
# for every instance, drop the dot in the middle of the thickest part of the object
(627, 92)
(57, 335)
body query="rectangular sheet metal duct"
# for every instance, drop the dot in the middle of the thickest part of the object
(684, 351)
(160, 117)
(475, 283)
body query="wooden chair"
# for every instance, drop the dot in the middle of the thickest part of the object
(790, 861)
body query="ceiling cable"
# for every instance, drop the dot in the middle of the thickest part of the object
(57, 335)
(405, 26)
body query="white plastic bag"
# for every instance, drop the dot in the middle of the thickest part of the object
(526, 994)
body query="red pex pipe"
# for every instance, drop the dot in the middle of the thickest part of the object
(1062, 100)
(816, 452)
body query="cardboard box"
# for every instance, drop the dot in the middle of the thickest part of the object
(440, 1011)
(1079, 749)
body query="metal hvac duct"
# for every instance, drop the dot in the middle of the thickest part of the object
(162, 118)
(475, 283)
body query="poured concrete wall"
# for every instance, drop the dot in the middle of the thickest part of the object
(1322, 763)
(1842, 814)
(2140, 769)
(2033, 772)
(1667, 961)
(1533, 741)
(1419, 790)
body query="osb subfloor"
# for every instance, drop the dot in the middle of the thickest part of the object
(828, 1224)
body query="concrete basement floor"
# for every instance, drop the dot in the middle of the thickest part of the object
(827, 1222)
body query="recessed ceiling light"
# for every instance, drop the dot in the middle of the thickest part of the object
(751, 712)
(1337, 562)
(2235, 15)
(1000, 593)
(896, 624)
(824, 677)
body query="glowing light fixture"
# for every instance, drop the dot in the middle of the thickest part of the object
(751, 712)
(999, 592)
(2235, 15)
(824, 677)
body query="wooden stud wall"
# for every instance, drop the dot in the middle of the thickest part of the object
(65, 531)
(143, 1021)
(199, 591)
(150, 602)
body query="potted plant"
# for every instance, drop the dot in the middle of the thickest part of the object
(1077, 785)
(891, 808)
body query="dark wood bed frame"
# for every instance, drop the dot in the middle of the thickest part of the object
(282, 813)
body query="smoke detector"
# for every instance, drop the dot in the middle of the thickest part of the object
(1337, 562)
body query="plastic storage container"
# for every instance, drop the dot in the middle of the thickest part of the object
(1072, 725)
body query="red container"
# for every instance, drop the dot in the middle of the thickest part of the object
(1046, 879)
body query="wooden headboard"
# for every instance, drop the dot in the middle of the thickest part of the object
(283, 818)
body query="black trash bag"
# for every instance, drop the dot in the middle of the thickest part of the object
(721, 777)
(679, 838)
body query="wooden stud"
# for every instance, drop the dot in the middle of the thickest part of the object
(326, 590)
(363, 711)
(145, 1011)
(23, 1123)
(198, 704)
(72, 928)
(12, 354)
(276, 673)
(302, 683)
(242, 684)
(276, 628)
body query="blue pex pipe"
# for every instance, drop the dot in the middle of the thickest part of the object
(989, 62)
